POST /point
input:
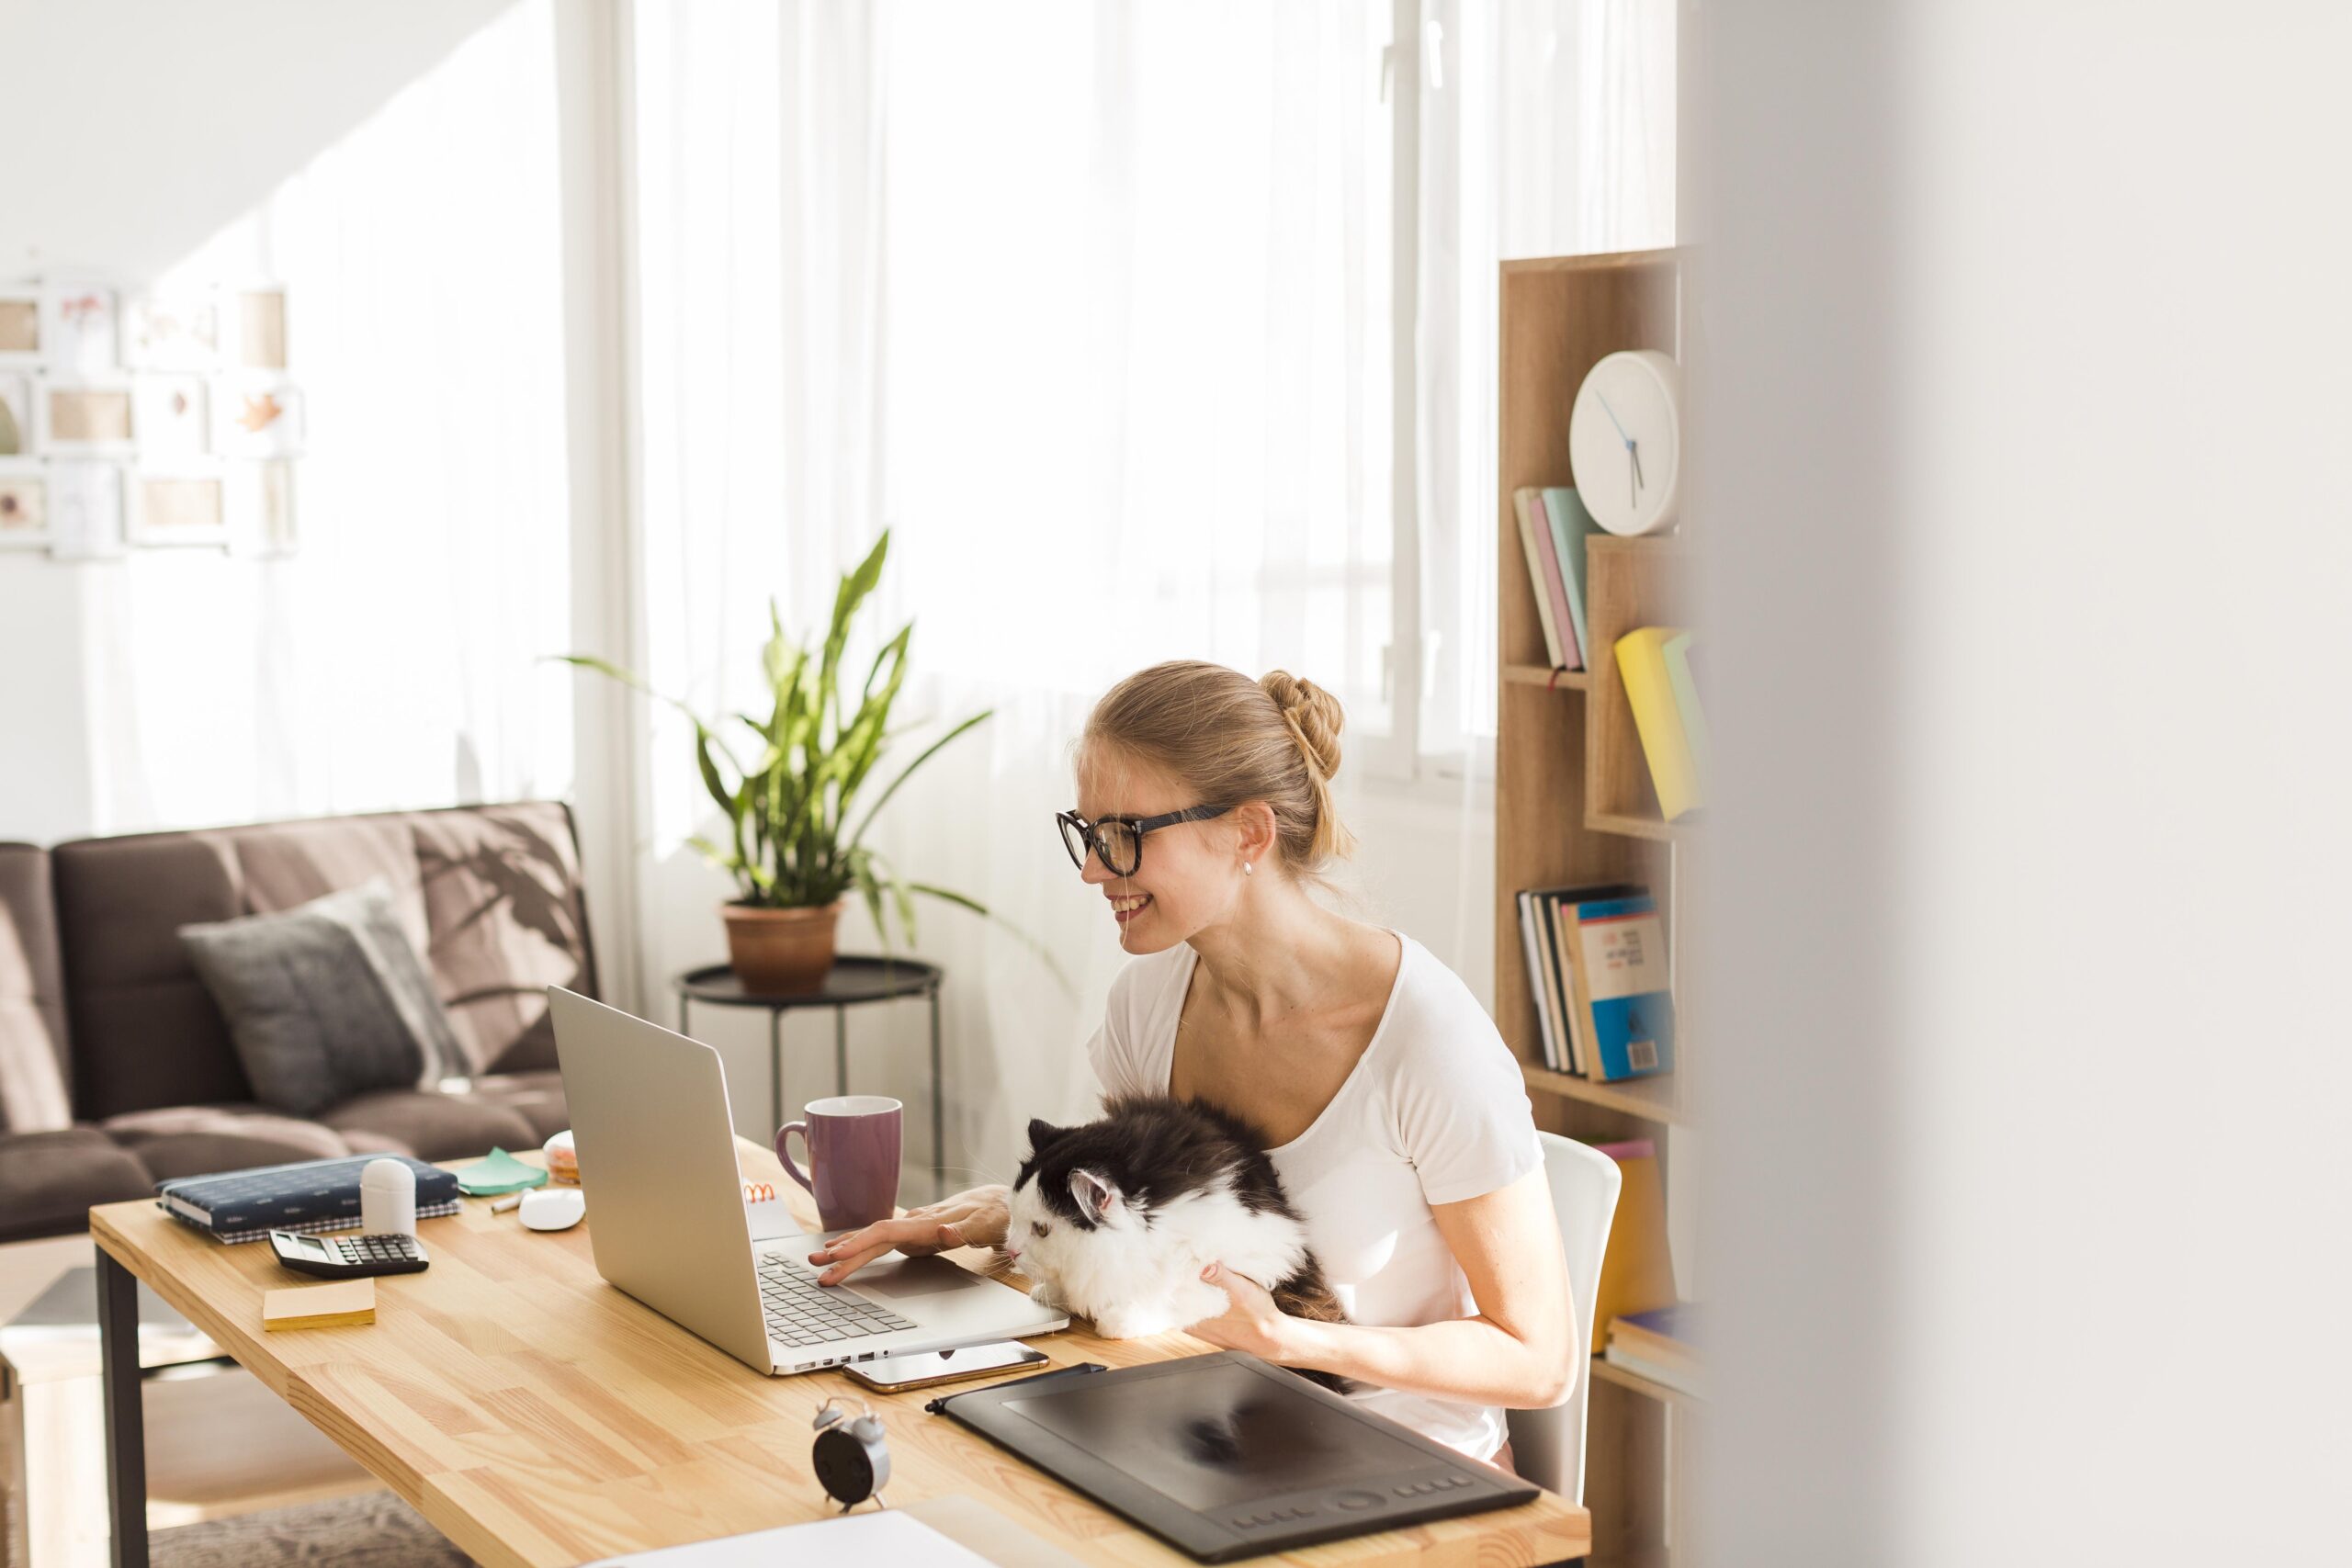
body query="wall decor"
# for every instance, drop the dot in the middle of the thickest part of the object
(178, 505)
(78, 329)
(260, 509)
(261, 329)
(85, 419)
(85, 511)
(20, 326)
(179, 330)
(24, 503)
(256, 417)
(17, 417)
(168, 411)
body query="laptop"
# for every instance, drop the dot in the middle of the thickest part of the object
(668, 1223)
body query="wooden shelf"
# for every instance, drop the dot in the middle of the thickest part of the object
(1651, 1099)
(1606, 1371)
(1653, 827)
(1543, 675)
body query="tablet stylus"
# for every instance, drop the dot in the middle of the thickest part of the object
(936, 1406)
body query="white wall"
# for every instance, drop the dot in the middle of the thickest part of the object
(2021, 427)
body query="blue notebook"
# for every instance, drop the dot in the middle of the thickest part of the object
(309, 1195)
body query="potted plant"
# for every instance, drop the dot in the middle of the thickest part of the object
(791, 848)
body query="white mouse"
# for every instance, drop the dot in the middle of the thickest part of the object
(552, 1208)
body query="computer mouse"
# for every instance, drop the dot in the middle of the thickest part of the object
(552, 1208)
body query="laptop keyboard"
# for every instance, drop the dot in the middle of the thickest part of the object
(802, 1312)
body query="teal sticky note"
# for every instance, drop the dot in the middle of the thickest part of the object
(500, 1173)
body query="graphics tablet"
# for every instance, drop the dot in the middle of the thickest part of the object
(1223, 1456)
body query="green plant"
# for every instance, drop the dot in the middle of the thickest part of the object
(790, 845)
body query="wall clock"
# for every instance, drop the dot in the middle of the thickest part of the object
(1625, 442)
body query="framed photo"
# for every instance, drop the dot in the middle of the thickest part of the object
(168, 414)
(178, 330)
(257, 416)
(20, 327)
(260, 509)
(177, 504)
(78, 329)
(17, 419)
(85, 419)
(258, 316)
(85, 511)
(24, 503)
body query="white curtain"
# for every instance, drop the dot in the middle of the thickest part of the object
(1089, 304)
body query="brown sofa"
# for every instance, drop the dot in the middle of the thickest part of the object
(116, 1071)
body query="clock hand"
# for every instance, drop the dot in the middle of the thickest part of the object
(1602, 398)
(1633, 450)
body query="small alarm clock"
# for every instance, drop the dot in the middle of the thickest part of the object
(852, 1460)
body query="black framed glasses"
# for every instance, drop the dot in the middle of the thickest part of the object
(1117, 841)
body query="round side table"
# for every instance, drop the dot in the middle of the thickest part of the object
(855, 979)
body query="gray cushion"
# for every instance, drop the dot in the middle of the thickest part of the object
(48, 1181)
(325, 1000)
(432, 1126)
(198, 1140)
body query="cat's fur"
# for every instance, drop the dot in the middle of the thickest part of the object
(1114, 1219)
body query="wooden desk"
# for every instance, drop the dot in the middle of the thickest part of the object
(537, 1415)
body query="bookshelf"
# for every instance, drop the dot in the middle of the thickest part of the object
(1572, 803)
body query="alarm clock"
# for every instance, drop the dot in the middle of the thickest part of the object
(850, 1459)
(1625, 442)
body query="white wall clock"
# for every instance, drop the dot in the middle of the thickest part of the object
(1625, 442)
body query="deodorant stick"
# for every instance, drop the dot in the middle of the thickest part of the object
(387, 1197)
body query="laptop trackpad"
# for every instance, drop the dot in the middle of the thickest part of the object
(903, 1278)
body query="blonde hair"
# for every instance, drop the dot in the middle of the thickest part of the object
(1233, 739)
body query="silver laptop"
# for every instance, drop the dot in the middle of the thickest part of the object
(668, 1225)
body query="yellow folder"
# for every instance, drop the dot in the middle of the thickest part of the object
(1649, 687)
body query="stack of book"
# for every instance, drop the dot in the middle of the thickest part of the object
(1656, 664)
(1596, 962)
(1662, 1345)
(309, 1195)
(1552, 527)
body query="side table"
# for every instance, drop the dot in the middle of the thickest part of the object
(855, 979)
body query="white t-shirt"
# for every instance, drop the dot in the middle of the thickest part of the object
(1434, 1112)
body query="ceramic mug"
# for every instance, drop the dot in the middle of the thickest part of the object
(853, 1172)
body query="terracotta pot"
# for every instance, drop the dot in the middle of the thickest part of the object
(780, 952)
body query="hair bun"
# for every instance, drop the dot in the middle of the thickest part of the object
(1313, 717)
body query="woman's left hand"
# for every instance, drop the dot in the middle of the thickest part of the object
(1250, 1322)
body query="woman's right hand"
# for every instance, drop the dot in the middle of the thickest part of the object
(976, 1218)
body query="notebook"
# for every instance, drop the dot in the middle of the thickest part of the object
(309, 1196)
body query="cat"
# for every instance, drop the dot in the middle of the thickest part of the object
(1114, 1219)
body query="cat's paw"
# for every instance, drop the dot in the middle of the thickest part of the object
(1045, 1297)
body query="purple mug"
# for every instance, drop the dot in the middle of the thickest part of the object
(853, 1152)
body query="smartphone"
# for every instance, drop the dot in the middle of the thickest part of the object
(891, 1374)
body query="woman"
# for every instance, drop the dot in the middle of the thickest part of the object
(1392, 1108)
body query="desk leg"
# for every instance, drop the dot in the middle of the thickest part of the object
(775, 1069)
(126, 1426)
(938, 1108)
(841, 1050)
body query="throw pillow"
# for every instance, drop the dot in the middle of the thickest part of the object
(325, 1001)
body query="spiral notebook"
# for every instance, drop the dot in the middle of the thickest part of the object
(309, 1196)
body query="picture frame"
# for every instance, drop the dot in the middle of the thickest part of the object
(252, 323)
(175, 504)
(25, 504)
(85, 501)
(258, 416)
(175, 330)
(93, 417)
(21, 335)
(80, 329)
(169, 417)
(19, 418)
(260, 505)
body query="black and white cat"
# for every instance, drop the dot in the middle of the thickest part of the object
(1115, 1220)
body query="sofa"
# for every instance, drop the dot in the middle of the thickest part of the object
(117, 1070)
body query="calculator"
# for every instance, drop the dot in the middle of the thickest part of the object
(349, 1257)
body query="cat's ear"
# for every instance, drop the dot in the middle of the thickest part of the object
(1096, 1197)
(1041, 1133)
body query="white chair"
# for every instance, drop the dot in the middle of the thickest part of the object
(1547, 1445)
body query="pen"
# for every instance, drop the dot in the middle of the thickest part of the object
(505, 1203)
(936, 1406)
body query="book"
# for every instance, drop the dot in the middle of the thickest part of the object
(1544, 571)
(309, 1195)
(1579, 1053)
(342, 1304)
(1539, 978)
(1571, 525)
(1546, 954)
(1677, 654)
(1637, 1268)
(1686, 1380)
(1617, 965)
(1641, 659)
(1662, 1344)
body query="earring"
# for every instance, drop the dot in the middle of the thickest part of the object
(1246, 868)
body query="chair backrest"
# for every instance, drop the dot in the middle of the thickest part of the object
(1547, 1445)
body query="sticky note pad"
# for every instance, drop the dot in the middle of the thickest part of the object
(320, 1306)
(500, 1174)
